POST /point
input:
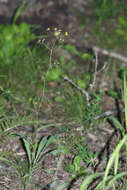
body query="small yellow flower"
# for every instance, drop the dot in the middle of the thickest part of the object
(57, 33)
(48, 29)
(55, 29)
(39, 41)
(61, 39)
(66, 33)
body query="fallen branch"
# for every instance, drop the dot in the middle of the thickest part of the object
(107, 113)
(111, 54)
(104, 66)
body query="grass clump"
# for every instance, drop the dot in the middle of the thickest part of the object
(77, 108)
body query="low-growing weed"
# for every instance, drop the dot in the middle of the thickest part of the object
(109, 180)
(35, 152)
(83, 159)
(77, 108)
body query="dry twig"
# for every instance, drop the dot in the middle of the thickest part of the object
(107, 113)
(111, 54)
(95, 73)
(104, 66)
(82, 90)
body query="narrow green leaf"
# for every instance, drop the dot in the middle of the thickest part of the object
(125, 99)
(113, 157)
(116, 163)
(118, 176)
(56, 152)
(62, 186)
(18, 11)
(4, 159)
(50, 140)
(40, 148)
(28, 150)
(118, 124)
(101, 183)
(88, 180)
(18, 167)
(34, 151)
(46, 126)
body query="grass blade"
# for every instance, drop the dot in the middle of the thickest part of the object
(113, 157)
(88, 180)
(125, 99)
(62, 186)
(28, 150)
(118, 176)
(118, 124)
(40, 148)
(46, 126)
(116, 163)
(100, 184)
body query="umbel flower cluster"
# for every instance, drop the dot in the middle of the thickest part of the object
(53, 37)
(58, 32)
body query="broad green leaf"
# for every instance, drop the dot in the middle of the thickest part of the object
(81, 84)
(122, 21)
(71, 48)
(54, 74)
(87, 56)
(58, 99)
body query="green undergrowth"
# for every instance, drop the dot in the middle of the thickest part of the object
(31, 82)
(109, 24)
(77, 108)
(43, 92)
(106, 24)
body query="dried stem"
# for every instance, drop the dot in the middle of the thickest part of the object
(111, 54)
(95, 73)
(82, 90)
(104, 66)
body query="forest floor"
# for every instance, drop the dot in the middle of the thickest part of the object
(101, 134)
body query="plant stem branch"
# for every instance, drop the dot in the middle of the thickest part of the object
(82, 90)
(95, 73)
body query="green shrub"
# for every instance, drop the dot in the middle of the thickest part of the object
(13, 42)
